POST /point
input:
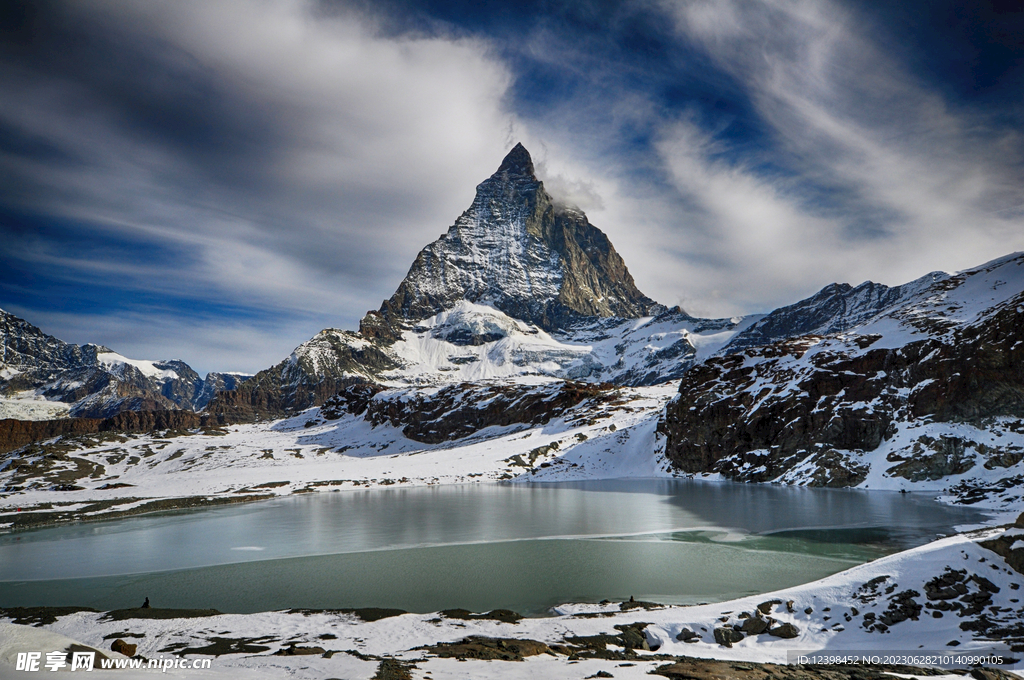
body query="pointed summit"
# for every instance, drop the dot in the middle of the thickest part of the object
(517, 162)
(516, 250)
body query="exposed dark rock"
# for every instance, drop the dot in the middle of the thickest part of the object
(219, 646)
(481, 647)
(460, 410)
(950, 457)
(39, 616)
(295, 650)
(17, 433)
(638, 604)
(122, 647)
(784, 630)
(948, 586)
(503, 615)
(902, 606)
(754, 625)
(633, 636)
(367, 614)
(155, 613)
(1002, 545)
(687, 635)
(727, 636)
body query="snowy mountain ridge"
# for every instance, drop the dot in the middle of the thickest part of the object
(43, 377)
(518, 289)
(929, 390)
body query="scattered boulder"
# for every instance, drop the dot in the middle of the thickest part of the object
(634, 638)
(727, 636)
(785, 631)
(122, 647)
(755, 625)
(687, 635)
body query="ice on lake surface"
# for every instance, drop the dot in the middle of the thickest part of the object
(480, 546)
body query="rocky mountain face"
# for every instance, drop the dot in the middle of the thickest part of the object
(317, 370)
(93, 381)
(520, 252)
(930, 382)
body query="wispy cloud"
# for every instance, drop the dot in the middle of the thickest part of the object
(868, 175)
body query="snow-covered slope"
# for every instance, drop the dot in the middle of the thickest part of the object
(403, 436)
(473, 342)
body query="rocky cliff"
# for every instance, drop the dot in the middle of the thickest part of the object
(930, 382)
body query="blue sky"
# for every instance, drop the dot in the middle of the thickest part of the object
(218, 181)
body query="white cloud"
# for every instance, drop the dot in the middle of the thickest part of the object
(332, 154)
(914, 185)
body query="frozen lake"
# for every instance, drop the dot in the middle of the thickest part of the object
(479, 547)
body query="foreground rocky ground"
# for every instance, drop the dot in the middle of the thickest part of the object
(959, 596)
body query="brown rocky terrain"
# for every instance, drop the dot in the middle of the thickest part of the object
(17, 433)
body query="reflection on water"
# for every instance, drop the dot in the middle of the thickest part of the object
(520, 546)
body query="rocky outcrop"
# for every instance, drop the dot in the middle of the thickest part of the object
(460, 410)
(315, 371)
(214, 383)
(17, 433)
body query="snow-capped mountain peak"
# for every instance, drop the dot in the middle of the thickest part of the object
(522, 253)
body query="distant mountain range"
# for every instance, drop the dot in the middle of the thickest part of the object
(523, 291)
(42, 375)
